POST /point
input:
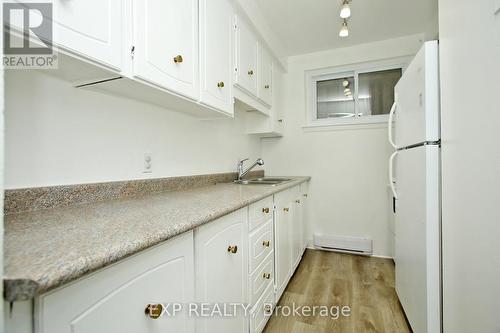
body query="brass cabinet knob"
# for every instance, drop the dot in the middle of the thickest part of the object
(220, 84)
(286, 209)
(305, 195)
(266, 86)
(266, 243)
(250, 72)
(178, 59)
(267, 276)
(153, 311)
(268, 309)
(232, 249)
(265, 210)
(297, 201)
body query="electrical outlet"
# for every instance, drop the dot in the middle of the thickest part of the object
(148, 163)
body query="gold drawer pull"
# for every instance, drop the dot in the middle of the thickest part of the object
(153, 311)
(220, 84)
(178, 59)
(266, 243)
(267, 276)
(268, 309)
(297, 201)
(286, 209)
(232, 249)
(266, 86)
(250, 72)
(265, 210)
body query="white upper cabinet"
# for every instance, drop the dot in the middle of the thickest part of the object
(166, 44)
(246, 57)
(92, 29)
(265, 84)
(216, 30)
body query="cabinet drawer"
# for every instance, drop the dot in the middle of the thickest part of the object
(261, 244)
(115, 298)
(260, 212)
(261, 278)
(262, 311)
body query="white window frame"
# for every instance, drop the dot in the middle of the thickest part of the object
(354, 70)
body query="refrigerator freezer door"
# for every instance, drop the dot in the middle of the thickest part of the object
(418, 237)
(417, 99)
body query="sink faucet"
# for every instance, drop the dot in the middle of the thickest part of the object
(242, 173)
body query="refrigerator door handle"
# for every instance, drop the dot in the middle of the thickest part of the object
(391, 116)
(391, 178)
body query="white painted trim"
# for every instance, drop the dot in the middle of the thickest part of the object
(312, 76)
(344, 127)
(382, 257)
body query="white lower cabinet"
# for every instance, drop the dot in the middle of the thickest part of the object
(304, 190)
(261, 262)
(297, 228)
(261, 244)
(222, 270)
(262, 311)
(246, 258)
(289, 243)
(261, 278)
(114, 299)
(283, 246)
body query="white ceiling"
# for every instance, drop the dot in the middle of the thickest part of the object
(306, 26)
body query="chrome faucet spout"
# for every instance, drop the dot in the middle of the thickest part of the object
(242, 173)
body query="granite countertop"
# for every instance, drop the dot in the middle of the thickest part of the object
(47, 248)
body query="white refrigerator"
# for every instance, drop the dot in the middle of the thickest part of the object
(415, 177)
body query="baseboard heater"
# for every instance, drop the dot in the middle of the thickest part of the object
(356, 245)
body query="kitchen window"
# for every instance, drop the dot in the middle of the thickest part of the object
(358, 95)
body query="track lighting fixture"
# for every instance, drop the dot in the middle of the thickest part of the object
(345, 12)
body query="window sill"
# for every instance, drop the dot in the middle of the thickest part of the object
(347, 124)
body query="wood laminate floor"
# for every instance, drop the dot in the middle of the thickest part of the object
(365, 284)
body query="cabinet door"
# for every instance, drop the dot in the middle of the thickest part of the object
(115, 299)
(304, 189)
(216, 31)
(264, 76)
(166, 44)
(246, 57)
(283, 246)
(297, 232)
(91, 28)
(222, 270)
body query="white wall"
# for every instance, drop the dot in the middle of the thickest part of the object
(348, 165)
(470, 88)
(56, 134)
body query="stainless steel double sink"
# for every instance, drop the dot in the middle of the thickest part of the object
(273, 181)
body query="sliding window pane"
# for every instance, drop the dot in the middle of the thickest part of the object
(335, 98)
(376, 91)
